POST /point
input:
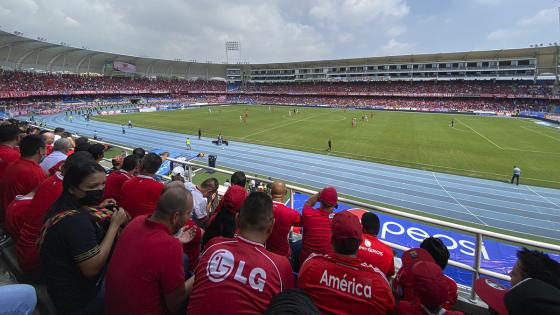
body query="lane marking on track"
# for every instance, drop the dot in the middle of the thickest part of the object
(540, 133)
(543, 197)
(457, 201)
(478, 133)
(343, 153)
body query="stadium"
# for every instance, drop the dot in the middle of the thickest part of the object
(427, 142)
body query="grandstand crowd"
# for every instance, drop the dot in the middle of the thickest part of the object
(44, 93)
(121, 241)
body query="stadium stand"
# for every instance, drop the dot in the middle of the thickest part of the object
(257, 211)
(76, 228)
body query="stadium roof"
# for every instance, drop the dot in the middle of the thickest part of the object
(18, 52)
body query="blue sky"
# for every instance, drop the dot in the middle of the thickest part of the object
(285, 30)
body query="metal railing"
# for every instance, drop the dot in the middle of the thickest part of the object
(478, 233)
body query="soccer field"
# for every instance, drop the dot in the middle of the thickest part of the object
(485, 147)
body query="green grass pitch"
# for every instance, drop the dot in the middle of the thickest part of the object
(485, 147)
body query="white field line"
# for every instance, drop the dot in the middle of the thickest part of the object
(457, 201)
(540, 133)
(280, 125)
(543, 197)
(478, 133)
(308, 148)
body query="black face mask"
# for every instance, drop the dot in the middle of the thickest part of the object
(92, 197)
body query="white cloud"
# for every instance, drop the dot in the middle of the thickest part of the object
(358, 12)
(395, 30)
(490, 2)
(526, 28)
(394, 47)
(543, 17)
(70, 21)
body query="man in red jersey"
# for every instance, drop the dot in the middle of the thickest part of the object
(340, 283)
(403, 285)
(25, 174)
(240, 269)
(317, 223)
(117, 178)
(9, 152)
(34, 216)
(430, 286)
(139, 195)
(146, 273)
(372, 250)
(284, 219)
(14, 214)
(440, 254)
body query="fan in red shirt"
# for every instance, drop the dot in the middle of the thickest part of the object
(430, 287)
(317, 223)
(49, 140)
(9, 152)
(14, 214)
(145, 274)
(139, 195)
(240, 269)
(403, 284)
(25, 174)
(372, 250)
(340, 283)
(284, 219)
(440, 254)
(117, 178)
(33, 218)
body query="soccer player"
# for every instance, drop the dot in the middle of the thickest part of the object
(188, 143)
(340, 283)
(123, 131)
(240, 268)
(199, 133)
(516, 174)
(130, 124)
(452, 122)
(330, 145)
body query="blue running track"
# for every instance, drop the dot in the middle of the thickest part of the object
(527, 209)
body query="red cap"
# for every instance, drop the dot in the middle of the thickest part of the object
(492, 293)
(429, 284)
(233, 198)
(414, 255)
(346, 225)
(329, 196)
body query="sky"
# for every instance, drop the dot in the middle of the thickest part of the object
(284, 30)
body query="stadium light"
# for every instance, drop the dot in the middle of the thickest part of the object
(232, 46)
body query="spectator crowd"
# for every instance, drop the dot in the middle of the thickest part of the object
(127, 243)
(71, 91)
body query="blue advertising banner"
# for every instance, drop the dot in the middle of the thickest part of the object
(496, 256)
(167, 166)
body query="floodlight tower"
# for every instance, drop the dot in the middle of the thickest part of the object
(233, 46)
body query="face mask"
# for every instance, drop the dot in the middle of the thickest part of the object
(92, 197)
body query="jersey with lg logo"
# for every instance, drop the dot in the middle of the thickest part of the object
(222, 263)
(242, 270)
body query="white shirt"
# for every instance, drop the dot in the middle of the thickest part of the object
(199, 202)
(52, 159)
(517, 171)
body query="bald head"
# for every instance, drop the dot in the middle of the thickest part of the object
(174, 199)
(49, 137)
(278, 189)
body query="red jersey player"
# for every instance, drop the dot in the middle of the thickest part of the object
(340, 283)
(240, 268)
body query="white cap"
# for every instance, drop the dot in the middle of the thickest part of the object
(178, 170)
